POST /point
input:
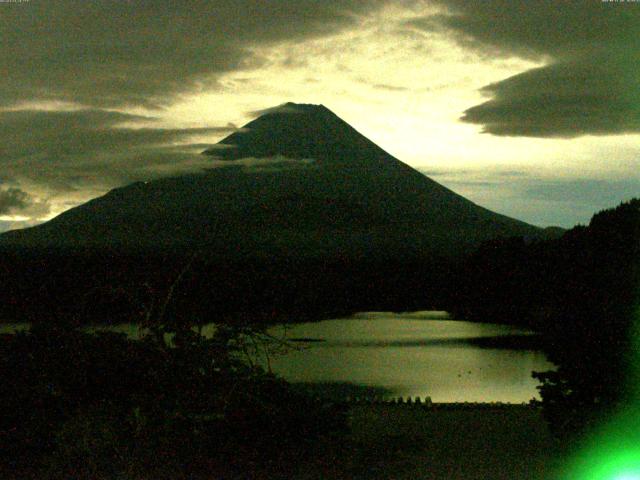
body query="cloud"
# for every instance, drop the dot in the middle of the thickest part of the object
(589, 83)
(438, 172)
(12, 199)
(534, 29)
(52, 160)
(283, 108)
(595, 96)
(60, 133)
(116, 53)
(262, 162)
(389, 88)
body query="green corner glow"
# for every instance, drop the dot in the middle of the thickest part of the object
(613, 453)
(618, 466)
(617, 459)
(628, 476)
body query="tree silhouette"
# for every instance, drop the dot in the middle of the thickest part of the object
(580, 292)
(85, 405)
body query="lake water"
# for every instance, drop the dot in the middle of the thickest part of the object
(418, 354)
(408, 355)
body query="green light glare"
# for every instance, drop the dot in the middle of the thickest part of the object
(613, 452)
(628, 476)
(607, 464)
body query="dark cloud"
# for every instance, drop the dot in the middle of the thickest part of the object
(590, 84)
(596, 96)
(48, 153)
(535, 29)
(114, 53)
(59, 133)
(13, 199)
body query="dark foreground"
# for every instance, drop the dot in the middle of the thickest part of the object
(446, 442)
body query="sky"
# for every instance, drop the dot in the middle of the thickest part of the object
(530, 108)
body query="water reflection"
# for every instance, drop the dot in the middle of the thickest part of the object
(416, 356)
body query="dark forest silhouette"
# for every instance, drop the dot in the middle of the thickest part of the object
(99, 405)
(581, 292)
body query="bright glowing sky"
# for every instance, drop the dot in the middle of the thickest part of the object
(529, 108)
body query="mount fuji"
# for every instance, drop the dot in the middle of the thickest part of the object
(296, 214)
(298, 180)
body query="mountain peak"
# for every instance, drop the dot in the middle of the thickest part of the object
(291, 108)
(306, 105)
(299, 131)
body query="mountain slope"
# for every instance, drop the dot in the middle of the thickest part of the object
(299, 217)
(296, 181)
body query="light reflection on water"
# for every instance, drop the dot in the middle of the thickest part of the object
(413, 357)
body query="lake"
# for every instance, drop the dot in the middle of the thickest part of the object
(416, 354)
(408, 355)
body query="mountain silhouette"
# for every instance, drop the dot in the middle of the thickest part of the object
(298, 181)
(297, 216)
